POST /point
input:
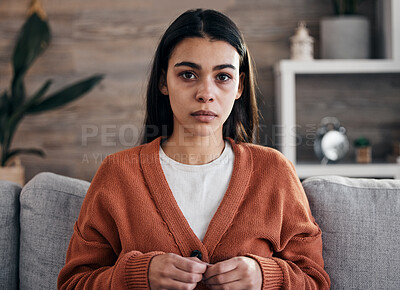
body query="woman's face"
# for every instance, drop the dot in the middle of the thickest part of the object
(203, 83)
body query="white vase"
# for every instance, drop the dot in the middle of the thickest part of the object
(345, 37)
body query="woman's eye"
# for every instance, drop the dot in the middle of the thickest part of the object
(187, 75)
(223, 77)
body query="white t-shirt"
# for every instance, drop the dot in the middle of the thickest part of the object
(199, 189)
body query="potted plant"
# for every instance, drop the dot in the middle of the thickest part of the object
(34, 37)
(345, 35)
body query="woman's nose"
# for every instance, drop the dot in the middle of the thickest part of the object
(205, 99)
(205, 93)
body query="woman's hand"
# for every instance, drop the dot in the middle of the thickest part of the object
(171, 271)
(235, 273)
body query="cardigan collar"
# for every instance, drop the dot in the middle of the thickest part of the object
(166, 204)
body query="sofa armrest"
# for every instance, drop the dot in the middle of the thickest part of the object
(9, 234)
(360, 223)
(50, 205)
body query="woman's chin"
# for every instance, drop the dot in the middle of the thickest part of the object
(203, 132)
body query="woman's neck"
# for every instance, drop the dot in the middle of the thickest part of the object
(193, 150)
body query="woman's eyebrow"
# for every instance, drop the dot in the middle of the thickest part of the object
(197, 66)
(189, 64)
(222, 66)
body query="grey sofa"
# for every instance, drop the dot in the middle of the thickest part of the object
(360, 220)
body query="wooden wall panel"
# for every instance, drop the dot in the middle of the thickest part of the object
(118, 38)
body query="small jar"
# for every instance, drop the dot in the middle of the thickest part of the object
(363, 150)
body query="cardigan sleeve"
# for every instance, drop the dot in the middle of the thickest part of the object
(294, 267)
(95, 259)
(92, 265)
(297, 261)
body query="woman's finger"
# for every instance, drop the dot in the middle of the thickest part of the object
(190, 265)
(221, 267)
(242, 272)
(224, 278)
(182, 276)
(171, 271)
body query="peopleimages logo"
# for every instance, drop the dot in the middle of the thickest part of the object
(117, 137)
(110, 135)
(129, 135)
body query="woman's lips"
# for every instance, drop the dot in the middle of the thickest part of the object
(204, 116)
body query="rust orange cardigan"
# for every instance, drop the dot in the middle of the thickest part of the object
(129, 215)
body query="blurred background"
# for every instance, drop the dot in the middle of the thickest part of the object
(118, 39)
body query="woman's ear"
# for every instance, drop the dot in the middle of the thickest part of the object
(241, 85)
(162, 85)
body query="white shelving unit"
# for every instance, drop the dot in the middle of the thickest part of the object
(285, 77)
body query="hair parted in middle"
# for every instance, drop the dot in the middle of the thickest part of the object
(242, 123)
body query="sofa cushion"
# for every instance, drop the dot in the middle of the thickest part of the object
(360, 223)
(9, 234)
(50, 205)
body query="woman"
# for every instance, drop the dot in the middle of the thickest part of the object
(197, 205)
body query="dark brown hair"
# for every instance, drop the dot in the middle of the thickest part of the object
(242, 123)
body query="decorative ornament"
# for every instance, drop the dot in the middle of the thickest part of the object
(331, 143)
(302, 44)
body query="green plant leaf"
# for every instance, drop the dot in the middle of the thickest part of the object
(14, 152)
(9, 130)
(4, 107)
(38, 95)
(66, 95)
(17, 91)
(11, 124)
(345, 7)
(4, 103)
(33, 39)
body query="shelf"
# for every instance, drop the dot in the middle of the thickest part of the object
(337, 66)
(378, 170)
(285, 94)
(285, 77)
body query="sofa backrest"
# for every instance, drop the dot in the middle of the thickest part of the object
(359, 218)
(360, 223)
(9, 234)
(50, 205)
